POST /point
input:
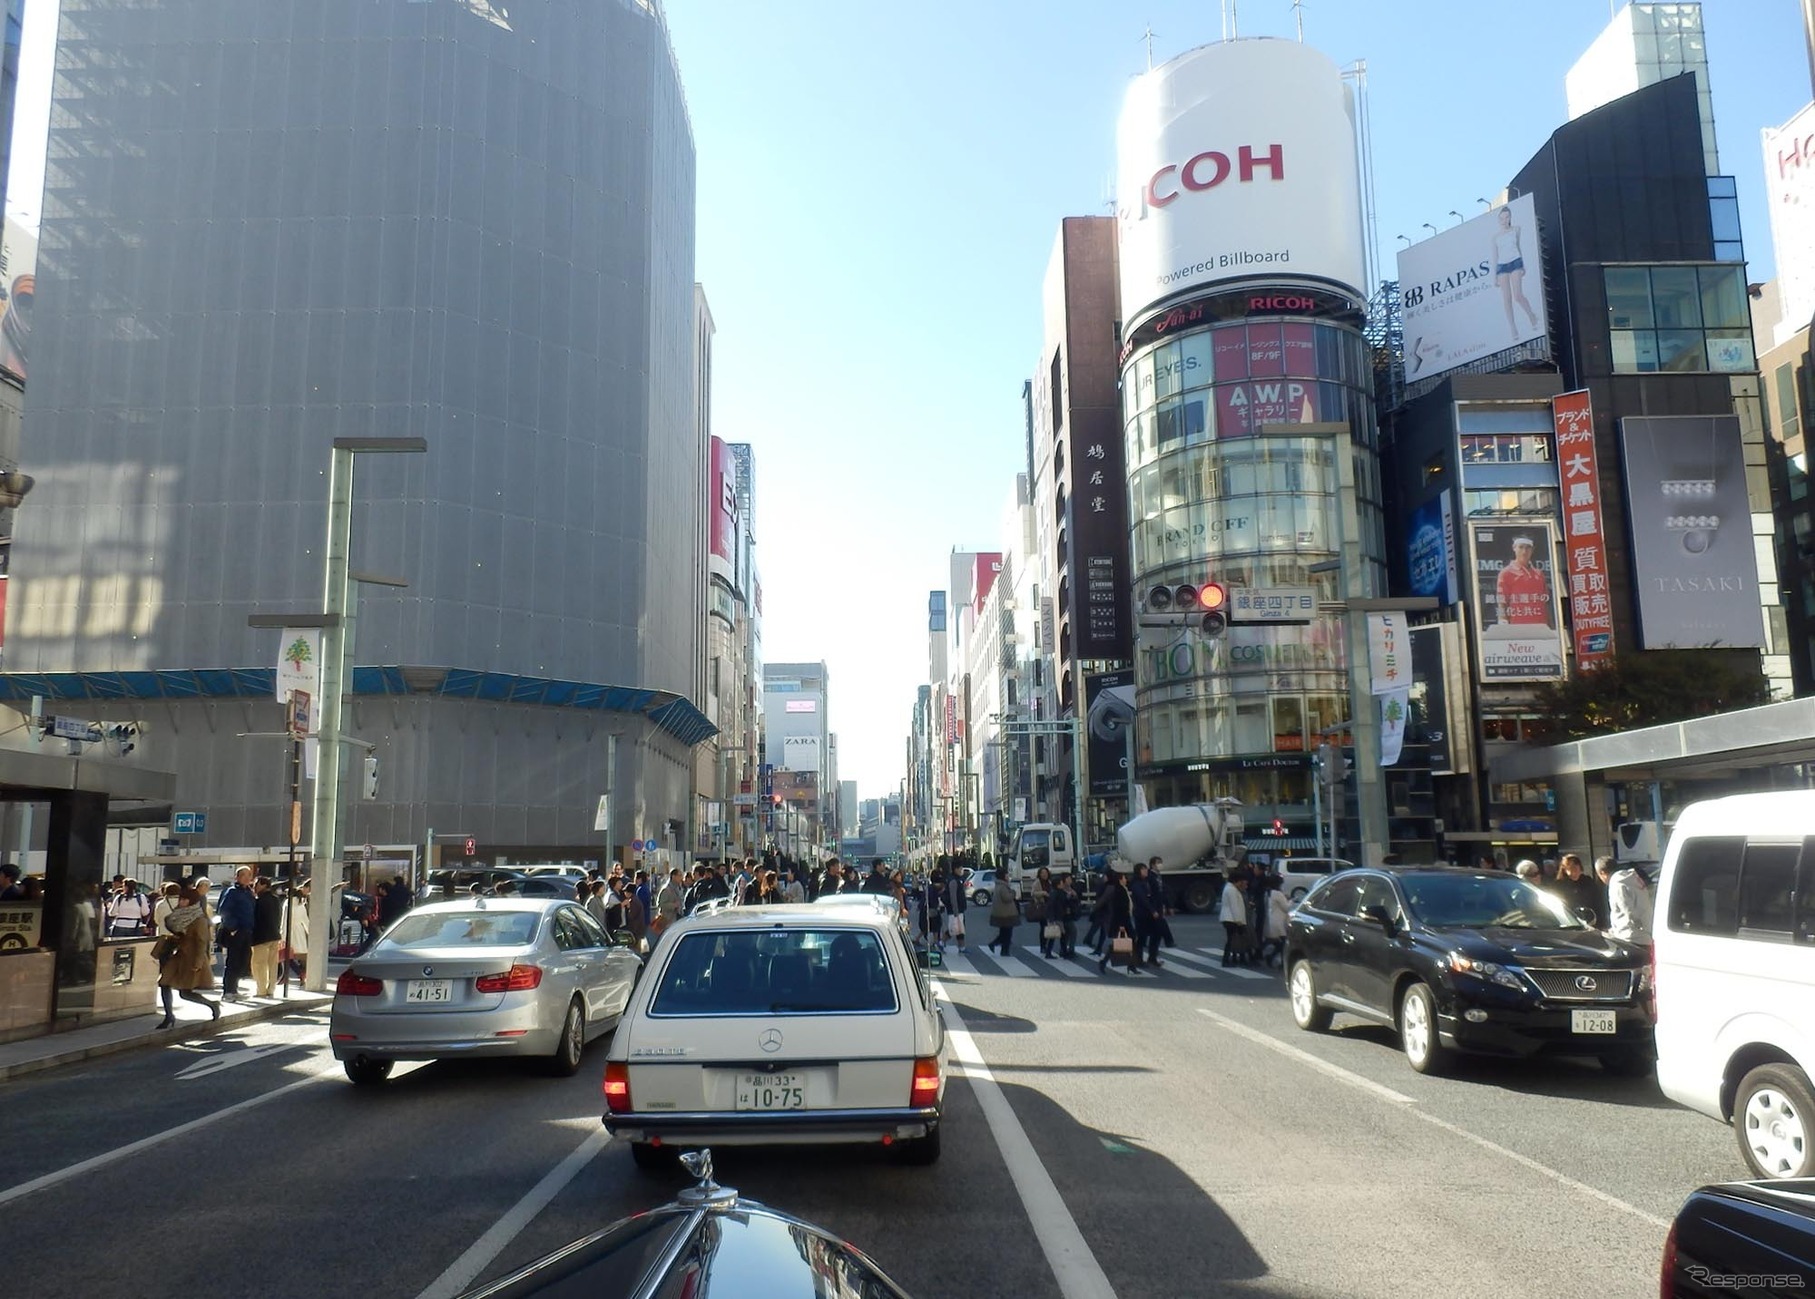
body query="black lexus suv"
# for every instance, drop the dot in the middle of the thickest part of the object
(1461, 960)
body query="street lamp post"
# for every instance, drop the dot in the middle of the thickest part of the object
(336, 602)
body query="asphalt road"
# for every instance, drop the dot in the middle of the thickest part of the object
(1180, 1127)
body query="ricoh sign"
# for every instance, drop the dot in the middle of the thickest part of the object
(1237, 162)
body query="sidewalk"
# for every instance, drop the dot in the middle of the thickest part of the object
(49, 1052)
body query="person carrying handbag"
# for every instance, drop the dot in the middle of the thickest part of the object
(184, 961)
(1118, 923)
(1004, 914)
(1060, 926)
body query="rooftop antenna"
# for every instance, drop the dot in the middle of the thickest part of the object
(1298, 15)
(1148, 37)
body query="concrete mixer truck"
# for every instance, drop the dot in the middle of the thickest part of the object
(1196, 844)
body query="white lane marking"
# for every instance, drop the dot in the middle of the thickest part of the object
(1063, 966)
(464, 1270)
(1073, 1266)
(1562, 1179)
(1322, 1066)
(957, 962)
(1387, 1093)
(1239, 971)
(231, 1059)
(1013, 968)
(89, 1165)
(1178, 970)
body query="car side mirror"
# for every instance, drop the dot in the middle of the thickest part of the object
(1380, 916)
(1585, 915)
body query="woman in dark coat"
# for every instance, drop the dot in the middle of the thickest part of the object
(187, 968)
(1149, 914)
(1118, 917)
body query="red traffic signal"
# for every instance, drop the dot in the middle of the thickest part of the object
(1212, 596)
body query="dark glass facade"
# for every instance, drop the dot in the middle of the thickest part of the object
(269, 223)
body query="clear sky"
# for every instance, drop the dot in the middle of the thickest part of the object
(879, 189)
(880, 184)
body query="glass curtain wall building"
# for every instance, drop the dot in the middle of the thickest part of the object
(271, 223)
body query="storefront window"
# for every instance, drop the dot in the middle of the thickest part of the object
(1679, 319)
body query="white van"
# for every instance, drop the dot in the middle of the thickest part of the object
(1734, 972)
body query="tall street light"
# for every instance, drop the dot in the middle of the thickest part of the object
(335, 647)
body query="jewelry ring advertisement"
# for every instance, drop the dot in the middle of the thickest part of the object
(1693, 558)
(1515, 591)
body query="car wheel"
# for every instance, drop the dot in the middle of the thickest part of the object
(566, 1060)
(917, 1151)
(367, 1072)
(980, 898)
(1627, 1064)
(1774, 1121)
(1424, 1051)
(1306, 1013)
(652, 1159)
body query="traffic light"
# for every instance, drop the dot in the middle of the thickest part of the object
(1213, 599)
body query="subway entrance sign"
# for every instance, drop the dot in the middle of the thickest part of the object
(190, 823)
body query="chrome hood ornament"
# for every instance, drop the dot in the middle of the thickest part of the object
(708, 1195)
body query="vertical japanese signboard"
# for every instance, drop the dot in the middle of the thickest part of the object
(1584, 531)
(1100, 620)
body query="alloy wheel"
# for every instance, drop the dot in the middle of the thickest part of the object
(1415, 1028)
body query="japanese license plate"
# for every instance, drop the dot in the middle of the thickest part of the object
(771, 1091)
(1593, 1021)
(429, 990)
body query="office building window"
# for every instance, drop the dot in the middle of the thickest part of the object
(1679, 319)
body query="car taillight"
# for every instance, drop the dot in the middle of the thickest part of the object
(519, 978)
(926, 1081)
(617, 1087)
(350, 984)
(1651, 969)
(1666, 1280)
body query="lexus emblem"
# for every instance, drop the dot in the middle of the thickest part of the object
(770, 1040)
(427, 970)
(1586, 983)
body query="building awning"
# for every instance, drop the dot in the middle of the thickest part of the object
(664, 709)
(1721, 746)
(1279, 843)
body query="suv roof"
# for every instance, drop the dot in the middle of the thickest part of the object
(808, 915)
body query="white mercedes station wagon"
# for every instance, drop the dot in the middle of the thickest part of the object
(779, 1025)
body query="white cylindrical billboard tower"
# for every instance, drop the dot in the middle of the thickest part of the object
(1238, 162)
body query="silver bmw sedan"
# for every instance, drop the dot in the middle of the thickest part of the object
(535, 977)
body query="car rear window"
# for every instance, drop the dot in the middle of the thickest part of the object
(794, 971)
(473, 928)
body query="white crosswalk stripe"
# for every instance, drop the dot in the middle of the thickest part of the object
(957, 962)
(1012, 967)
(1071, 968)
(1239, 971)
(1178, 969)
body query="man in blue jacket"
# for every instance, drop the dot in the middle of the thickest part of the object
(236, 910)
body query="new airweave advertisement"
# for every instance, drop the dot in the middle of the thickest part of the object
(1693, 559)
(1515, 590)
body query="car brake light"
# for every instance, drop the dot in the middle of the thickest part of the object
(519, 978)
(1666, 1280)
(926, 1081)
(350, 984)
(617, 1087)
(1652, 992)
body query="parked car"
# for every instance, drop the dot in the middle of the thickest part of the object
(709, 1240)
(1734, 956)
(1299, 875)
(980, 887)
(531, 977)
(758, 1025)
(1745, 1238)
(1460, 960)
(458, 882)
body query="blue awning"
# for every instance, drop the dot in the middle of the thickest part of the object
(670, 712)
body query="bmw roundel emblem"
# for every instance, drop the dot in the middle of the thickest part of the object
(1586, 983)
(770, 1039)
(427, 970)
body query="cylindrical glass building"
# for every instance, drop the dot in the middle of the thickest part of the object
(1242, 308)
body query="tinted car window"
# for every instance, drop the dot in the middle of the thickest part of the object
(1767, 889)
(1376, 892)
(595, 932)
(1484, 901)
(764, 972)
(473, 928)
(1337, 897)
(1704, 894)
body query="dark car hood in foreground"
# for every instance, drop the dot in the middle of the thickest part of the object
(1763, 1231)
(1541, 947)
